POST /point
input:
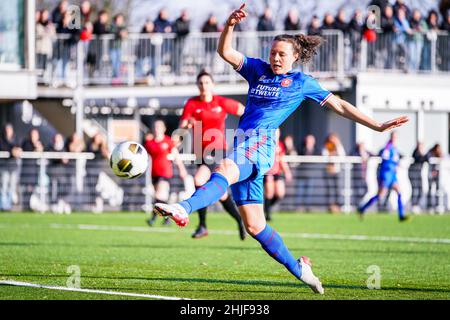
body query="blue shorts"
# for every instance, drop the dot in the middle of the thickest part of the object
(254, 155)
(387, 179)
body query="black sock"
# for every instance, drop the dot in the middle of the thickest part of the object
(230, 207)
(157, 201)
(202, 217)
(267, 207)
(274, 200)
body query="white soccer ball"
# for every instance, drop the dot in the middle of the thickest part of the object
(129, 160)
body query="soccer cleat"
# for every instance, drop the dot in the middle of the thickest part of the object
(174, 211)
(308, 276)
(404, 219)
(151, 221)
(200, 232)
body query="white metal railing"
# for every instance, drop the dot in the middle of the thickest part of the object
(301, 166)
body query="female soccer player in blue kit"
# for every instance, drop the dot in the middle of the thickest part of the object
(387, 177)
(275, 91)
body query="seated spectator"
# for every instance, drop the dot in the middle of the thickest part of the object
(98, 146)
(9, 168)
(292, 21)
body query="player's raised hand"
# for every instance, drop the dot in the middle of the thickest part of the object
(237, 16)
(394, 123)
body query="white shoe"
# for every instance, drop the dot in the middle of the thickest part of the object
(308, 276)
(174, 211)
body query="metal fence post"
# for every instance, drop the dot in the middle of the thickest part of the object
(347, 187)
(42, 165)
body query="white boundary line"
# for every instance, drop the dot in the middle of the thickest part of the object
(114, 293)
(287, 235)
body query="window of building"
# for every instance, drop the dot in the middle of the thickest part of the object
(12, 34)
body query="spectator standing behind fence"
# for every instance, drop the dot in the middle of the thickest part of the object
(265, 23)
(45, 35)
(359, 181)
(65, 46)
(415, 176)
(181, 27)
(433, 178)
(120, 33)
(95, 53)
(333, 147)
(431, 35)
(355, 29)
(86, 12)
(59, 12)
(59, 177)
(292, 21)
(419, 28)
(30, 170)
(145, 53)
(400, 5)
(9, 168)
(97, 145)
(387, 46)
(402, 38)
(210, 41)
(308, 172)
(163, 25)
(445, 26)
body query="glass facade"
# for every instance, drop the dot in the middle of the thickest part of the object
(12, 25)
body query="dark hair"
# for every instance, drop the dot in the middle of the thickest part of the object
(204, 73)
(305, 46)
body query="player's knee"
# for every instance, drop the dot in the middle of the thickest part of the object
(229, 170)
(253, 228)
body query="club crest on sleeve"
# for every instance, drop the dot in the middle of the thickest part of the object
(286, 82)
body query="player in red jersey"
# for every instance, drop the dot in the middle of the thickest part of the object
(274, 186)
(210, 111)
(159, 147)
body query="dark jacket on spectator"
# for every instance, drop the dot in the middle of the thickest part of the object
(161, 25)
(265, 24)
(387, 24)
(100, 28)
(181, 27)
(291, 26)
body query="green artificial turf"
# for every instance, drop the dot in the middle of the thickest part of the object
(119, 252)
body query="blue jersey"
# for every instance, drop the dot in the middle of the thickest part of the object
(390, 158)
(272, 98)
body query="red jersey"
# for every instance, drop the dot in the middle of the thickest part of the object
(280, 151)
(158, 151)
(212, 116)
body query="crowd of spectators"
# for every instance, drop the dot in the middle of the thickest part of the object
(401, 32)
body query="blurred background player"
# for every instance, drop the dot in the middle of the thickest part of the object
(387, 177)
(274, 186)
(210, 111)
(159, 146)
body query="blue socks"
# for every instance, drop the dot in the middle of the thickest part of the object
(272, 243)
(207, 194)
(400, 207)
(368, 204)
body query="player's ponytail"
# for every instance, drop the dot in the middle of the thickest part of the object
(305, 46)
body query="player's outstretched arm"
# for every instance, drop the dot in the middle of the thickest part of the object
(349, 111)
(225, 49)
